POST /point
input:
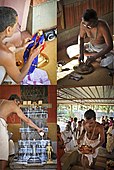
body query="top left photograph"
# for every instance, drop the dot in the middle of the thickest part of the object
(28, 42)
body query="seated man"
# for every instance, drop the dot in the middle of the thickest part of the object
(91, 138)
(100, 43)
(9, 22)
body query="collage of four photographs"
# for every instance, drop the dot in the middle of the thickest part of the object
(56, 85)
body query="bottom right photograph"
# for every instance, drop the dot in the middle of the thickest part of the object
(85, 128)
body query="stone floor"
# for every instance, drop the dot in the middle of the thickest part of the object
(71, 160)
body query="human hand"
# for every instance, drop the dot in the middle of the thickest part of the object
(26, 42)
(109, 134)
(35, 51)
(93, 150)
(90, 60)
(85, 149)
(78, 141)
(81, 59)
(40, 130)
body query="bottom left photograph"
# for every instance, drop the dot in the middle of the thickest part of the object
(28, 127)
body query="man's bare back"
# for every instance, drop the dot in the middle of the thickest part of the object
(7, 107)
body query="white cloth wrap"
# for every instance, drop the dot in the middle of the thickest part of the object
(108, 61)
(4, 143)
(73, 50)
(69, 143)
(38, 77)
(91, 143)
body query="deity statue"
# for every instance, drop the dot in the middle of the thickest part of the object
(49, 151)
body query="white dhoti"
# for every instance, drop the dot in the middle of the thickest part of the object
(38, 77)
(4, 143)
(108, 61)
(91, 143)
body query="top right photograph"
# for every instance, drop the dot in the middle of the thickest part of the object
(85, 42)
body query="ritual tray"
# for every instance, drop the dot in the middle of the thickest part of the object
(85, 149)
(84, 69)
(44, 61)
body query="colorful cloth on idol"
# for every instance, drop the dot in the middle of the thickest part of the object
(37, 41)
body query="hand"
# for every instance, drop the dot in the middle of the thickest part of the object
(40, 130)
(110, 134)
(90, 60)
(93, 150)
(81, 59)
(78, 141)
(26, 42)
(35, 51)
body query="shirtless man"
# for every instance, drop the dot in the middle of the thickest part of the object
(97, 33)
(8, 25)
(92, 135)
(7, 108)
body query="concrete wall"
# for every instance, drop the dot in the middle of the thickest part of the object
(1, 2)
(42, 16)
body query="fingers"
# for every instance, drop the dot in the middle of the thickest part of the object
(40, 131)
(35, 51)
(88, 62)
(26, 42)
(27, 39)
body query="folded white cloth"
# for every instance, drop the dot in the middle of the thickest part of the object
(38, 77)
(73, 50)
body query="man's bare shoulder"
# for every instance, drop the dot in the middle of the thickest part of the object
(5, 55)
(5, 52)
(102, 23)
(100, 126)
(5, 101)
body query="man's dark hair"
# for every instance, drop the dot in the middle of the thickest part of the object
(7, 17)
(75, 119)
(14, 96)
(89, 14)
(89, 114)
